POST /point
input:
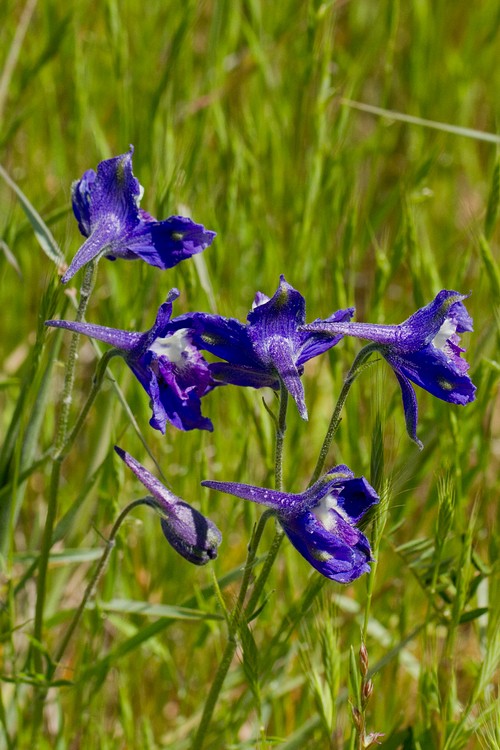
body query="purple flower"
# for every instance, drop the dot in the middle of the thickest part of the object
(192, 535)
(423, 349)
(167, 364)
(106, 206)
(321, 522)
(269, 348)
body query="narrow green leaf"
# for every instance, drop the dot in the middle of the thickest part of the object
(41, 230)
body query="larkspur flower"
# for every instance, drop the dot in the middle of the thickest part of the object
(190, 533)
(269, 348)
(166, 362)
(106, 206)
(423, 349)
(320, 522)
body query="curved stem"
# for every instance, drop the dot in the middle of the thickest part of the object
(240, 610)
(96, 386)
(356, 369)
(232, 642)
(85, 292)
(56, 467)
(101, 567)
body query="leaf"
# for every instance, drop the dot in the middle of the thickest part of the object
(41, 230)
(131, 606)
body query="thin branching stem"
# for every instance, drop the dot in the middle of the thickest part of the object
(59, 442)
(239, 609)
(356, 368)
(89, 591)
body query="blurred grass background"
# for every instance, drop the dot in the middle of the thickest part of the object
(241, 114)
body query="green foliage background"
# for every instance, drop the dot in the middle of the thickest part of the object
(243, 114)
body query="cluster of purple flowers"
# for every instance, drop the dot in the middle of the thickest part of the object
(268, 350)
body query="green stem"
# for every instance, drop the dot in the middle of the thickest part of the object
(356, 369)
(96, 386)
(85, 292)
(369, 595)
(232, 642)
(101, 567)
(56, 467)
(280, 438)
(59, 442)
(239, 609)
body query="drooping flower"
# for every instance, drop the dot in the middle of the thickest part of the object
(106, 206)
(321, 522)
(269, 348)
(166, 362)
(423, 349)
(190, 533)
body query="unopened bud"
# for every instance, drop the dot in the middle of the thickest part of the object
(190, 533)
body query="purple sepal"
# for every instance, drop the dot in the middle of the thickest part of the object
(189, 532)
(106, 206)
(320, 522)
(424, 349)
(269, 348)
(167, 363)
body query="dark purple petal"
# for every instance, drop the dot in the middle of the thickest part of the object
(189, 532)
(279, 316)
(106, 206)
(280, 352)
(167, 363)
(226, 338)
(115, 192)
(80, 199)
(432, 370)
(320, 522)
(410, 406)
(423, 349)
(328, 552)
(124, 340)
(176, 390)
(355, 497)
(243, 376)
(165, 243)
(160, 327)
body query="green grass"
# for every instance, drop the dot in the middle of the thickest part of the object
(242, 113)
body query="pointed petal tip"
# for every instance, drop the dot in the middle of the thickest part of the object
(120, 451)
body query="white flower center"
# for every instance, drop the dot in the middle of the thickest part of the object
(322, 512)
(138, 198)
(447, 329)
(172, 347)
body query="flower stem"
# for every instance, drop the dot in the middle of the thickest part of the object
(232, 642)
(240, 610)
(101, 567)
(356, 368)
(96, 386)
(60, 439)
(280, 438)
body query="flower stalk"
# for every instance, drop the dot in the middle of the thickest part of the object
(92, 585)
(59, 443)
(356, 368)
(239, 609)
